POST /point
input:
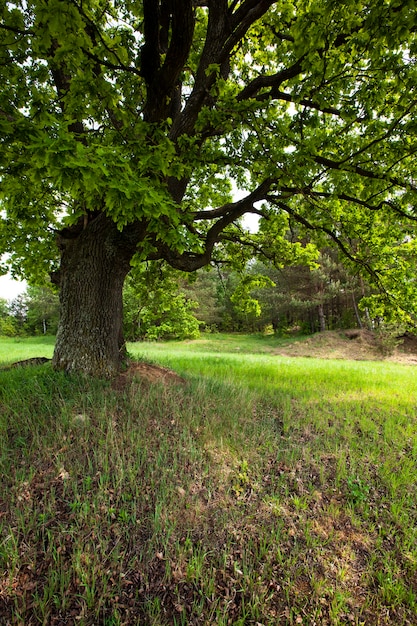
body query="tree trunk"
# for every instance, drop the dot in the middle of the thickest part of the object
(355, 308)
(322, 317)
(94, 263)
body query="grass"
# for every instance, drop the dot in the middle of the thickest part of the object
(17, 348)
(266, 490)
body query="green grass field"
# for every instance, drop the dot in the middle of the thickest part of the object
(265, 490)
(18, 349)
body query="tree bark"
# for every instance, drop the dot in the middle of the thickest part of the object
(94, 263)
(322, 317)
(355, 308)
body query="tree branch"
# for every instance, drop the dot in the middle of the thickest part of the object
(189, 261)
(92, 31)
(275, 80)
(276, 94)
(182, 26)
(224, 31)
(337, 165)
(17, 31)
(109, 65)
(162, 83)
(307, 224)
(343, 196)
(238, 208)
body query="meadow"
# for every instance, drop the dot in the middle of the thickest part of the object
(258, 490)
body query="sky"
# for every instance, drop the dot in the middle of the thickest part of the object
(10, 288)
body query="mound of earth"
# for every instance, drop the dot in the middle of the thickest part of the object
(38, 360)
(148, 373)
(355, 344)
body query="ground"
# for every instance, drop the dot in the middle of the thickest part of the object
(352, 344)
(289, 502)
(147, 372)
(355, 344)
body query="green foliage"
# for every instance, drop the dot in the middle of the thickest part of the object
(154, 308)
(241, 297)
(34, 312)
(208, 290)
(322, 297)
(17, 310)
(8, 326)
(42, 311)
(89, 57)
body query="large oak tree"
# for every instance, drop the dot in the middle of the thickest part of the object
(122, 125)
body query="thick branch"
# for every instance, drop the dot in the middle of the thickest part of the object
(62, 81)
(230, 212)
(239, 207)
(163, 82)
(246, 15)
(150, 55)
(275, 80)
(224, 31)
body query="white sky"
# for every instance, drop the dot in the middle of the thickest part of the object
(10, 288)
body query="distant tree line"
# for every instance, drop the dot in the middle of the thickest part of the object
(160, 303)
(35, 312)
(295, 299)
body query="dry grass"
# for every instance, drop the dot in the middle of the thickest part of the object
(357, 345)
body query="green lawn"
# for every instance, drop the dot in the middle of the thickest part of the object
(18, 349)
(266, 490)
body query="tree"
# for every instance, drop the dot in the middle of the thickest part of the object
(18, 309)
(123, 125)
(42, 311)
(7, 323)
(314, 299)
(208, 291)
(155, 307)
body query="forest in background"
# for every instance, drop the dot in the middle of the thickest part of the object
(162, 303)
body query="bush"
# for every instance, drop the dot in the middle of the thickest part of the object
(8, 327)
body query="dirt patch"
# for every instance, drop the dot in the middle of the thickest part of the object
(354, 344)
(147, 373)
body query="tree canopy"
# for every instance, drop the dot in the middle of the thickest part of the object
(136, 125)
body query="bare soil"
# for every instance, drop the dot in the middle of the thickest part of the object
(355, 344)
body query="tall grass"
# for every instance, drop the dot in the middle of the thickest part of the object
(265, 490)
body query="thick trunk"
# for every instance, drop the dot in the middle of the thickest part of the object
(94, 265)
